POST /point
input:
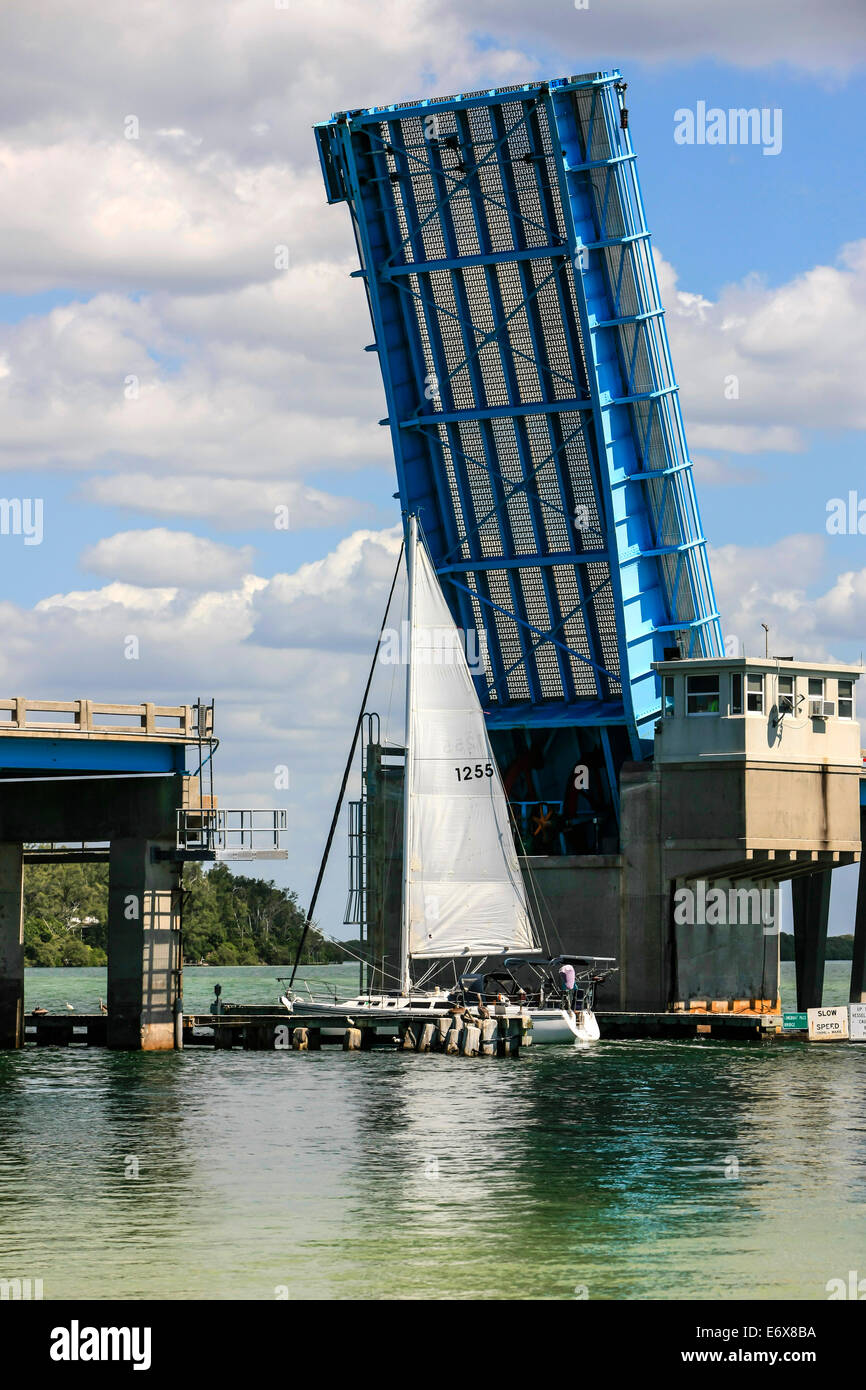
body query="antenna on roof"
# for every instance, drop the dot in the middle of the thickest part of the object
(766, 640)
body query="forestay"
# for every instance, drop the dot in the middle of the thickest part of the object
(464, 892)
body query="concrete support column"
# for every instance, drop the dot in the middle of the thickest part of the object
(857, 994)
(811, 902)
(647, 965)
(11, 945)
(144, 946)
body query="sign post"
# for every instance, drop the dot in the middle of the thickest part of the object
(857, 1022)
(826, 1025)
(793, 1021)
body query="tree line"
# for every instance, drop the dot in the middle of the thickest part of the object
(838, 947)
(228, 919)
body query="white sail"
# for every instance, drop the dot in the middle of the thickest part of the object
(463, 889)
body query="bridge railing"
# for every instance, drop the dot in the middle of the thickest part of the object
(66, 718)
(231, 832)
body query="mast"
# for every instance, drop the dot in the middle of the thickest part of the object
(411, 551)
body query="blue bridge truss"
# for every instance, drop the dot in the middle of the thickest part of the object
(532, 407)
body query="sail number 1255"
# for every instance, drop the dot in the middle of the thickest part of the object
(479, 770)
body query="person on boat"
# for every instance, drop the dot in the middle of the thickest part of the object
(566, 980)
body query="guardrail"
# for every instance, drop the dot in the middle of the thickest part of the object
(69, 718)
(226, 832)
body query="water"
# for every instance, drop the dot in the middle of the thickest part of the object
(387, 1175)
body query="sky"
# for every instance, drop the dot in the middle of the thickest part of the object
(171, 378)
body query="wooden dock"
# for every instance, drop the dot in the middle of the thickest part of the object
(258, 1029)
(737, 1027)
(61, 1030)
(455, 1034)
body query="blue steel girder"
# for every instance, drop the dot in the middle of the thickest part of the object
(470, 363)
(624, 325)
(527, 376)
(90, 756)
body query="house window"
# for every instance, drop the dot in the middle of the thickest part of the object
(669, 703)
(816, 687)
(755, 694)
(702, 694)
(786, 694)
(736, 693)
(846, 699)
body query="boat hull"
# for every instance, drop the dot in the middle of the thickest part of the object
(550, 1026)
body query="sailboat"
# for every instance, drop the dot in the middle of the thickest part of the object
(464, 897)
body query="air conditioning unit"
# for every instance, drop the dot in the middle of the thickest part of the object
(821, 709)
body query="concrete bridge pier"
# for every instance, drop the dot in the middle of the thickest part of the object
(811, 903)
(144, 946)
(11, 945)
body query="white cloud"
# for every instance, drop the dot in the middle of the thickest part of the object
(223, 166)
(712, 472)
(289, 702)
(270, 381)
(842, 609)
(816, 38)
(161, 557)
(134, 219)
(763, 365)
(310, 607)
(233, 504)
(781, 585)
(130, 598)
(202, 616)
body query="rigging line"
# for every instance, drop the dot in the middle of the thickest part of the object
(422, 979)
(539, 916)
(542, 901)
(535, 918)
(321, 874)
(336, 942)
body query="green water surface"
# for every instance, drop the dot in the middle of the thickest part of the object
(685, 1170)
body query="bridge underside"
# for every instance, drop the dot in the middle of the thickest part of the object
(137, 816)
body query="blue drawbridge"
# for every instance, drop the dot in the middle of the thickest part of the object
(534, 418)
